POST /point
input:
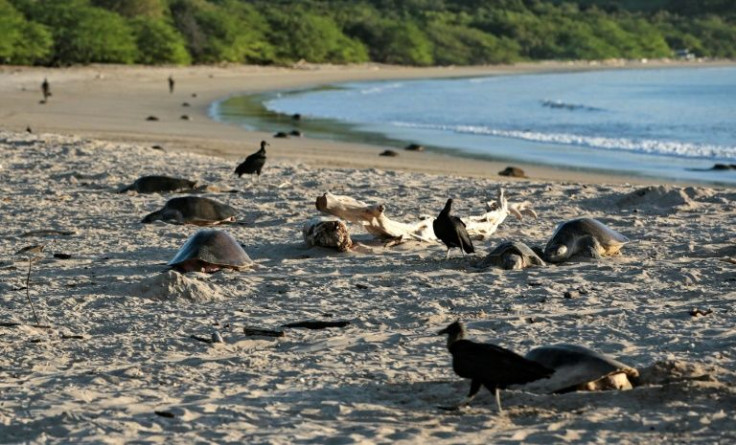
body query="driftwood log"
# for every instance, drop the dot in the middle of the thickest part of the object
(374, 220)
(327, 232)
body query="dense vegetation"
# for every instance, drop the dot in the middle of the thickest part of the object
(411, 32)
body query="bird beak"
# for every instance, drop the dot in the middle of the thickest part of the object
(442, 332)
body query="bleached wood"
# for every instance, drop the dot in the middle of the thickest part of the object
(374, 220)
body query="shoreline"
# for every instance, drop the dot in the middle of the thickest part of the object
(112, 102)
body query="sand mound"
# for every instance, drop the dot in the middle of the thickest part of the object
(175, 286)
(658, 199)
(671, 371)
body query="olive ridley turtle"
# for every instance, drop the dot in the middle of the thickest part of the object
(586, 236)
(193, 210)
(577, 368)
(159, 184)
(511, 255)
(209, 251)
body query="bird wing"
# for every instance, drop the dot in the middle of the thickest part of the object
(462, 235)
(494, 365)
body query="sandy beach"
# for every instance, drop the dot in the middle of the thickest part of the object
(115, 360)
(113, 102)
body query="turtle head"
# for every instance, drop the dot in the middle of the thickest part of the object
(454, 331)
(556, 252)
(513, 262)
(151, 217)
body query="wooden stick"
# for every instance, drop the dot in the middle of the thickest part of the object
(316, 324)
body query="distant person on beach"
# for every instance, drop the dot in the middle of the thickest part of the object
(171, 84)
(45, 89)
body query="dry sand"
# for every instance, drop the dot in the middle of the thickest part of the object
(119, 349)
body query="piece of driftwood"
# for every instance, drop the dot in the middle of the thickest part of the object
(373, 219)
(47, 232)
(327, 232)
(483, 226)
(262, 332)
(72, 337)
(200, 338)
(375, 222)
(316, 324)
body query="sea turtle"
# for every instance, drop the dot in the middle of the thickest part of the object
(511, 255)
(514, 172)
(578, 368)
(209, 251)
(585, 236)
(193, 210)
(159, 184)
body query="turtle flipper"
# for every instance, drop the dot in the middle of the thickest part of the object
(590, 247)
(172, 215)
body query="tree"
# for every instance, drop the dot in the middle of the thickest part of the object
(457, 45)
(404, 44)
(229, 31)
(134, 8)
(22, 42)
(301, 35)
(159, 43)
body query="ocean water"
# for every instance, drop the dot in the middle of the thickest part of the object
(673, 124)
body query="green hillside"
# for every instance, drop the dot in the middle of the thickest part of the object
(409, 32)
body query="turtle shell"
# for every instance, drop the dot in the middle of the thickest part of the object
(579, 368)
(210, 250)
(498, 255)
(159, 184)
(589, 226)
(193, 210)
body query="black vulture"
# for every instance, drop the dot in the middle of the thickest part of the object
(488, 365)
(451, 231)
(253, 163)
(171, 84)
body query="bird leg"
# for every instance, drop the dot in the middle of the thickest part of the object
(474, 388)
(498, 400)
(447, 256)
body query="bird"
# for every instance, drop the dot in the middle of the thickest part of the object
(451, 231)
(253, 163)
(171, 84)
(488, 365)
(45, 89)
